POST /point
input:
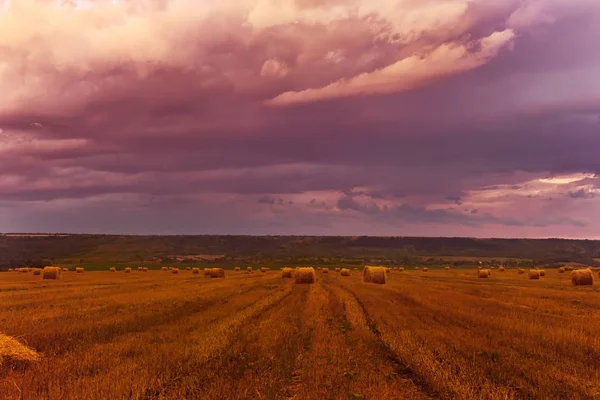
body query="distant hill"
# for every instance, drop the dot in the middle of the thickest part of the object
(25, 250)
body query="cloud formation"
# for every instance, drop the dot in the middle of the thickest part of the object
(438, 117)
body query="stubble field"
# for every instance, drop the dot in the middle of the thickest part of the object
(436, 334)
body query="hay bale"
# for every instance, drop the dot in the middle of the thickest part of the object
(51, 273)
(542, 272)
(10, 270)
(249, 270)
(356, 269)
(521, 271)
(11, 348)
(447, 268)
(569, 268)
(37, 271)
(305, 275)
(534, 274)
(263, 270)
(325, 270)
(188, 268)
(400, 269)
(425, 270)
(175, 270)
(79, 270)
(561, 270)
(287, 272)
(345, 272)
(113, 269)
(24, 270)
(375, 275)
(217, 273)
(207, 271)
(337, 270)
(169, 268)
(417, 268)
(140, 269)
(164, 269)
(582, 277)
(236, 269)
(195, 271)
(388, 270)
(145, 269)
(127, 270)
(501, 269)
(65, 269)
(483, 273)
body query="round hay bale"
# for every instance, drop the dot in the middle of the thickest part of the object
(79, 270)
(447, 268)
(337, 270)
(569, 268)
(417, 268)
(11, 348)
(345, 272)
(169, 268)
(425, 270)
(305, 275)
(325, 270)
(207, 271)
(263, 269)
(10, 270)
(113, 269)
(561, 270)
(534, 274)
(217, 273)
(188, 268)
(51, 273)
(483, 273)
(542, 272)
(521, 271)
(195, 271)
(249, 270)
(175, 270)
(400, 269)
(582, 277)
(236, 269)
(501, 269)
(140, 269)
(65, 270)
(375, 275)
(164, 269)
(356, 269)
(127, 270)
(37, 271)
(145, 269)
(287, 272)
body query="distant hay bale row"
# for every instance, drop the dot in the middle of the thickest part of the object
(11, 348)
(582, 277)
(51, 273)
(287, 272)
(484, 273)
(374, 275)
(305, 275)
(217, 273)
(345, 272)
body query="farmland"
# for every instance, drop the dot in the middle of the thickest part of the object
(436, 334)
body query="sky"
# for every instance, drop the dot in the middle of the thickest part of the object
(321, 117)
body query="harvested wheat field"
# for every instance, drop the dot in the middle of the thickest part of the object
(443, 334)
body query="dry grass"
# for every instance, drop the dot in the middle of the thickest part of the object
(305, 275)
(11, 348)
(442, 334)
(375, 275)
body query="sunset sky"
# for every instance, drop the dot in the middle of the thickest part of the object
(375, 117)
